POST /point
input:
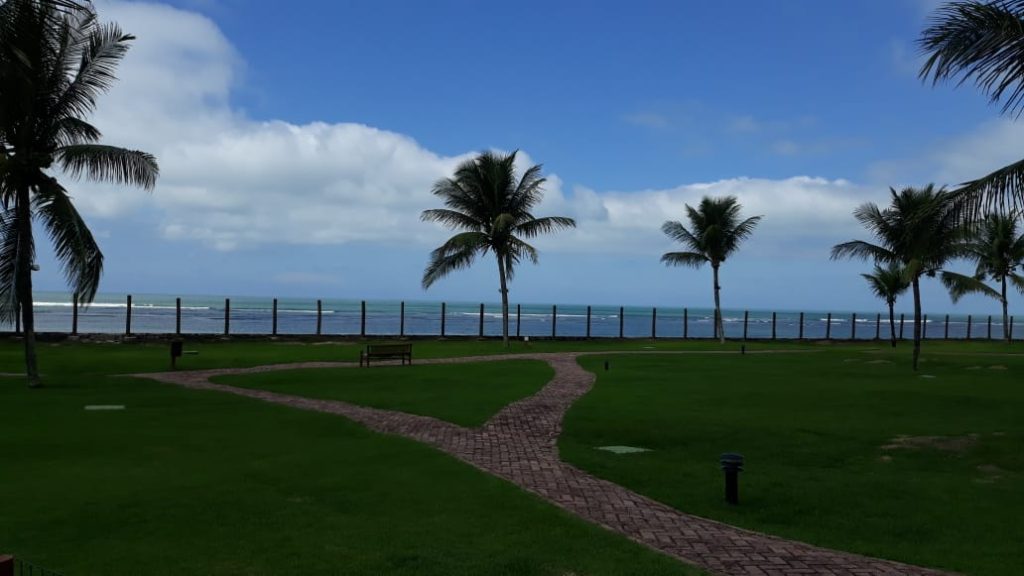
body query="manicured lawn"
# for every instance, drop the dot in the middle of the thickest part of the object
(192, 482)
(464, 394)
(814, 429)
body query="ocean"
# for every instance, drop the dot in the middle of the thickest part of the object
(156, 314)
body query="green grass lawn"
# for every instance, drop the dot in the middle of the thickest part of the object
(464, 394)
(813, 428)
(194, 482)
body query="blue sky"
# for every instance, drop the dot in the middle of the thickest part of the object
(298, 144)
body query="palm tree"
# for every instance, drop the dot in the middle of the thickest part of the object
(717, 233)
(55, 61)
(492, 207)
(918, 231)
(888, 283)
(998, 250)
(982, 42)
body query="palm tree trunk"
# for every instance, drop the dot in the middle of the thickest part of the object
(23, 286)
(892, 323)
(504, 301)
(719, 325)
(917, 320)
(1006, 313)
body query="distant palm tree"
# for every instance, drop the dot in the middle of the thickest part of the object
(55, 61)
(888, 283)
(717, 232)
(918, 231)
(998, 250)
(982, 42)
(492, 206)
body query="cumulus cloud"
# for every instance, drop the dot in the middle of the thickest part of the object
(230, 181)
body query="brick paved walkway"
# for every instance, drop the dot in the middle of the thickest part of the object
(519, 444)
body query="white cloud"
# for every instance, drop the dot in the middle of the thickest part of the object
(232, 182)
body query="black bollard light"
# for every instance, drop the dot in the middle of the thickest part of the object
(732, 464)
(743, 349)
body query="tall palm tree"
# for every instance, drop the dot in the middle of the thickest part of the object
(919, 231)
(55, 61)
(888, 283)
(998, 249)
(491, 205)
(717, 232)
(982, 42)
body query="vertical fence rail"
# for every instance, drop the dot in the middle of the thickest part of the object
(801, 332)
(128, 318)
(686, 323)
(746, 316)
(177, 316)
(828, 326)
(990, 327)
(622, 318)
(588, 322)
(481, 319)
(227, 316)
(969, 326)
(17, 320)
(273, 322)
(878, 326)
(362, 319)
(924, 327)
(319, 317)
(554, 320)
(945, 335)
(443, 314)
(853, 326)
(654, 323)
(519, 310)
(74, 314)
(901, 326)
(1009, 333)
(401, 320)
(773, 325)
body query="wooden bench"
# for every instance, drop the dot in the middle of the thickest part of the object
(386, 352)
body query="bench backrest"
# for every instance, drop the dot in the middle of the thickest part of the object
(389, 348)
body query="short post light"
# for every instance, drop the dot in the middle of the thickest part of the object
(732, 465)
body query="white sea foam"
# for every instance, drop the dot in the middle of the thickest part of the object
(115, 305)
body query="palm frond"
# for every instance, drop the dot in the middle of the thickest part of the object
(109, 163)
(689, 259)
(452, 219)
(104, 47)
(546, 225)
(74, 245)
(1000, 191)
(457, 253)
(960, 285)
(863, 251)
(11, 234)
(979, 41)
(1018, 282)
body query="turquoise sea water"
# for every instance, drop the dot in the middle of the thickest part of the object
(156, 313)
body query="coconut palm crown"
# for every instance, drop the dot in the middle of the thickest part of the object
(715, 233)
(492, 207)
(56, 59)
(919, 231)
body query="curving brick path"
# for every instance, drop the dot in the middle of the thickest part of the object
(519, 444)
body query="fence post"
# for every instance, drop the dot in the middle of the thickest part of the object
(588, 322)
(554, 319)
(401, 320)
(519, 310)
(853, 326)
(128, 318)
(654, 323)
(924, 326)
(622, 318)
(989, 326)
(273, 325)
(828, 326)
(177, 316)
(443, 307)
(481, 319)
(362, 318)
(946, 335)
(968, 326)
(901, 326)
(74, 314)
(878, 326)
(773, 325)
(17, 321)
(227, 316)
(801, 332)
(686, 323)
(746, 316)
(1010, 333)
(319, 317)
